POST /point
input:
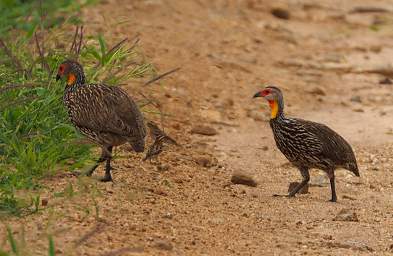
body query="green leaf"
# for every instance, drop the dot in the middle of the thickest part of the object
(102, 47)
(51, 251)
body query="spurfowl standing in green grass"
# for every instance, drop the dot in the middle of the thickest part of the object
(106, 115)
(307, 144)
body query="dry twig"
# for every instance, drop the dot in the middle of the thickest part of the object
(44, 63)
(161, 76)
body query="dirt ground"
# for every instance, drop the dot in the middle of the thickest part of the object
(331, 58)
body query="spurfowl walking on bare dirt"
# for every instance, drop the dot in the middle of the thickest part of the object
(308, 144)
(106, 115)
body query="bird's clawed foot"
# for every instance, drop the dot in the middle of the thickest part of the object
(106, 178)
(281, 195)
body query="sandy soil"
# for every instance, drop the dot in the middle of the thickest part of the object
(329, 58)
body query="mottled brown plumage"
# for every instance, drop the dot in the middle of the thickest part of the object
(308, 144)
(106, 115)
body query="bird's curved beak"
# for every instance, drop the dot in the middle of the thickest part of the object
(258, 94)
(58, 77)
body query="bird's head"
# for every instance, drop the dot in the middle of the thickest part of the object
(274, 96)
(71, 72)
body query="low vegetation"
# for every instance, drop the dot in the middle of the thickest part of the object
(36, 139)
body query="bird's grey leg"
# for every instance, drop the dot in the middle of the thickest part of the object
(90, 171)
(332, 185)
(100, 160)
(108, 177)
(306, 178)
(94, 167)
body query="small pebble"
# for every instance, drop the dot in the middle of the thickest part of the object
(163, 245)
(281, 13)
(44, 201)
(243, 179)
(385, 81)
(356, 98)
(346, 215)
(204, 130)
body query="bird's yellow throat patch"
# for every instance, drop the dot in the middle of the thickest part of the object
(71, 79)
(274, 108)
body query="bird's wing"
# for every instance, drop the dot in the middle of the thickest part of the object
(331, 144)
(108, 109)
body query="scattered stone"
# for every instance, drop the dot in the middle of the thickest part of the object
(44, 201)
(356, 98)
(160, 191)
(163, 245)
(376, 48)
(228, 102)
(293, 185)
(217, 220)
(344, 104)
(204, 161)
(176, 126)
(368, 9)
(327, 237)
(359, 245)
(346, 215)
(348, 197)
(163, 167)
(243, 179)
(386, 80)
(280, 13)
(211, 115)
(317, 91)
(351, 244)
(168, 215)
(360, 110)
(204, 130)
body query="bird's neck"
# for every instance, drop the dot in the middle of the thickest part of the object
(74, 81)
(277, 109)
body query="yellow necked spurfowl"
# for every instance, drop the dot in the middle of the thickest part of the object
(308, 144)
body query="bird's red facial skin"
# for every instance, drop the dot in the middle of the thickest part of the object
(265, 92)
(61, 70)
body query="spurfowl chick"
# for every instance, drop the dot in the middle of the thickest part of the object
(106, 115)
(307, 144)
(159, 137)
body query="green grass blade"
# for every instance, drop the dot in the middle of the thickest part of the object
(12, 241)
(51, 251)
